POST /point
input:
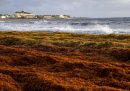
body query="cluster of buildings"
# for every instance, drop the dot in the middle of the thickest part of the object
(28, 15)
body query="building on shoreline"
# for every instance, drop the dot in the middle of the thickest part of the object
(24, 15)
(3, 16)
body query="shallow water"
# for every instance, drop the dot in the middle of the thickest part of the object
(76, 25)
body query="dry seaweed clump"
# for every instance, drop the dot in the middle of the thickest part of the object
(7, 83)
(64, 62)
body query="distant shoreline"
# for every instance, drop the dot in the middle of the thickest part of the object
(29, 19)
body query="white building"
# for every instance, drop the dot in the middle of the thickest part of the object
(2, 17)
(24, 14)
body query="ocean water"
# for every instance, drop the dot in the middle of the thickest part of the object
(75, 25)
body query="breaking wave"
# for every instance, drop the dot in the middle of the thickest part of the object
(63, 26)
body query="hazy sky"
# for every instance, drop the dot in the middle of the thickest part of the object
(83, 8)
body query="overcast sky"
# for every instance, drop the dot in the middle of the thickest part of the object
(81, 8)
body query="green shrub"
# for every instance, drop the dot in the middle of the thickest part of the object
(68, 43)
(10, 41)
(90, 44)
(105, 44)
(17, 41)
(96, 44)
(30, 42)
